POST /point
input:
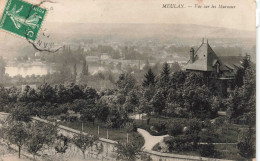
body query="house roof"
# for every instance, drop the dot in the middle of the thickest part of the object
(233, 62)
(205, 59)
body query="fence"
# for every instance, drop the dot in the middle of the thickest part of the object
(109, 153)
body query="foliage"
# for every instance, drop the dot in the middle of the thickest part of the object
(241, 102)
(207, 150)
(126, 83)
(179, 143)
(149, 78)
(21, 113)
(4, 98)
(192, 134)
(127, 151)
(198, 101)
(246, 146)
(116, 119)
(102, 111)
(164, 76)
(40, 134)
(161, 128)
(17, 134)
(175, 128)
(61, 143)
(175, 67)
(88, 114)
(83, 141)
(158, 102)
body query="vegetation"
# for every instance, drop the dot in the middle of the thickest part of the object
(83, 142)
(175, 102)
(128, 151)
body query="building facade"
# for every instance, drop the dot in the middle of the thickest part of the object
(218, 70)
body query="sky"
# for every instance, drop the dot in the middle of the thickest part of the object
(151, 11)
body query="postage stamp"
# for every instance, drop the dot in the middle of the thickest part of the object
(22, 18)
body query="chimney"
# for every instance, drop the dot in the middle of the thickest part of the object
(191, 55)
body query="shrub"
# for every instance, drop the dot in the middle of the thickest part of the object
(246, 146)
(175, 128)
(160, 128)
(179, 143)
(207, 150)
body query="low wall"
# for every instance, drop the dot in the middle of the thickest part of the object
(109, 152)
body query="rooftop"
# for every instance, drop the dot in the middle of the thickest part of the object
(205, 59)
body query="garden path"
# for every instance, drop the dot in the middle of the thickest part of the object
(149, 140)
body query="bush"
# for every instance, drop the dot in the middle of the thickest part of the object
(246, 146)
(160, 128)
(175, 128)
(207, 150)
(179, 143)
(73, 118)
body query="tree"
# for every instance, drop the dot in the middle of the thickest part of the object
(115, 119)
(145, 107)
(46, 93)
(61, 144)
(80, 104)
(88, 114)
(175, 67)
(84, 67)
(194, 79)
(165, 75)
(21, 113)
(17, 134)
(246, 62)
(198, 101)
(127, 151)
(83, 142)
(178, 79)
(40, 134)
(246, 146)
(62, 93)
(102, 111)
(149, 92)
(240, 74)
(149, 78)
(132, 101)
(242, 101)
(4, 98)
(90, 93)
(158, 102)
(126, 83)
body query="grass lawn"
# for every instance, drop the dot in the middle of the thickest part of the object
(231, 135)
(223, 152)
(113, 134)
(229, 152)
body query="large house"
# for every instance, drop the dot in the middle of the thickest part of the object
(218, 69)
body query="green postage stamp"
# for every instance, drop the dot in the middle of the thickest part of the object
(22, 18)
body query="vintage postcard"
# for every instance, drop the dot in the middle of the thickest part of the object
(129, 80)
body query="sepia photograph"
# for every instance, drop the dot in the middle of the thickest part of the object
(127, 80)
